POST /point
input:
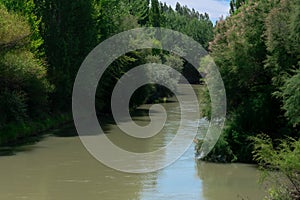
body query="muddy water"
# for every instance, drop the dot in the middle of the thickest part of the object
(60, 168)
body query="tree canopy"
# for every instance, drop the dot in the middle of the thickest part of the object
(43, 43)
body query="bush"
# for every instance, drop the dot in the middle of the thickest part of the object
(13, 107)
(285, 159)
(291, 98)
(220, 153)
(24, 88)
(23, 83)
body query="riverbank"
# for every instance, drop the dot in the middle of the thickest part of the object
(17, 133)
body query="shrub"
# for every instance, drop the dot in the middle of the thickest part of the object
(285, 159)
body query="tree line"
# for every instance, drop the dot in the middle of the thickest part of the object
(257, 51)
(43, 44)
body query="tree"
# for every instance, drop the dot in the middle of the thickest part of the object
(283, 55)
(291, 98)
(140, 9)
(154, 14)
(235, 4)
(69, 33)
(24, 88)
(252, 48)
(27, 9)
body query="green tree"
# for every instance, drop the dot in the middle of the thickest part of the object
(24, 88)
(140, 9)
(291, 98)
(27, 9)
(196, 25)
(285, 158)
(69, 33)
(257, 51)
(235, 4)
(111, 15)
(154, 14)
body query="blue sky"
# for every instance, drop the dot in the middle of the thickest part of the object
(215, 8)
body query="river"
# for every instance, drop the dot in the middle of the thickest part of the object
(58, 167)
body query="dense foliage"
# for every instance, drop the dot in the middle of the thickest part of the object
(281, 166)
(257, 51)
(43, 43)
(23, 82)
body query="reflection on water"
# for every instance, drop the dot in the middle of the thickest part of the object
(60, 168)
(229, 181)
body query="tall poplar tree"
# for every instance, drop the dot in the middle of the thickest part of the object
(155, 14)
(69, 33)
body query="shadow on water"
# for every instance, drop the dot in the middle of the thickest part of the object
(107, 120)
(234, 181)
(69, 130)
(27, 144)
(24, 145)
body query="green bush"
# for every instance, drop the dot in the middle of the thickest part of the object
(23, 83)
(291, 98)
(13, 107)
(24, 87)
(284, 158)
(220, 153)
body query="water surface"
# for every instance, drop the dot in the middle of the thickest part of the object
(60, 168)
